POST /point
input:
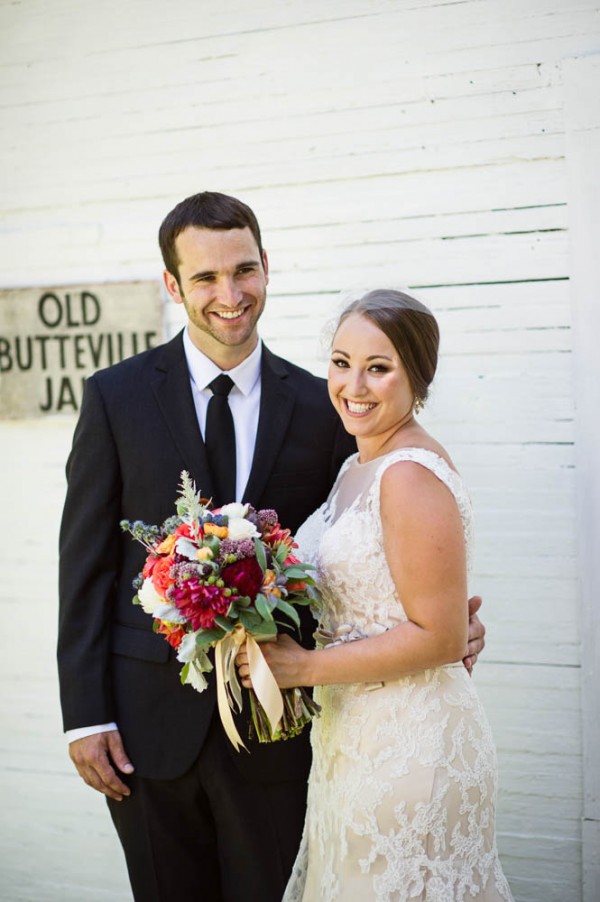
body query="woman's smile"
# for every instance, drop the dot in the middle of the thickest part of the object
(368, 384)
(358, 408)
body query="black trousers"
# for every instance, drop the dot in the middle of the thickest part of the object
(210, 835)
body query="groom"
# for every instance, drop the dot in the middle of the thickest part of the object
(196, 819)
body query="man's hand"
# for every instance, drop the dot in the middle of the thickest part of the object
(94, 757)
(476, 634)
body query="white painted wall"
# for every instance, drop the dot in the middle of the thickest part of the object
(418, 142)
(583, 152)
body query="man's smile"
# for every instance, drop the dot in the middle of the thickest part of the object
(229, 314)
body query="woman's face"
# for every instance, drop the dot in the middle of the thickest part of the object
(368, 384)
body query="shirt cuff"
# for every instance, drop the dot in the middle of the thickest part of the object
(81, 732)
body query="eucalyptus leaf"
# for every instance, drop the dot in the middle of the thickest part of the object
(250, 619)
(301, 600)
(204, 662)
(290, 610)
(261, 557)
(296, 573)
(265, 630)
(212, 542)
(281, 554)
(224, 623)
(206, 638)
(263, 607)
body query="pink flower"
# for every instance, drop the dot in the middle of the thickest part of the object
(275, 535)
(198, 603)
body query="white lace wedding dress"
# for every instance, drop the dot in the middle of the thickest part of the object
(401, 797)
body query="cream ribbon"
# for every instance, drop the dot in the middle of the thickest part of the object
(229, 691)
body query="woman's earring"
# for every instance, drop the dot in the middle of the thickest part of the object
(419, 405)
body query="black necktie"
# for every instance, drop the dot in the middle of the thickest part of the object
(220, 441)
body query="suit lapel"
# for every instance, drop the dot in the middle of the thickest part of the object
(277, 401)
(173, 393)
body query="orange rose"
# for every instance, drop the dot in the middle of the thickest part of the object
(173, 633)
(211, 529)
(166, 547)
(160, 574)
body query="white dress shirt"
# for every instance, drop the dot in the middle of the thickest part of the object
(244, 402)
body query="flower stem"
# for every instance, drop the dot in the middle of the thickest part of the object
(298, 710)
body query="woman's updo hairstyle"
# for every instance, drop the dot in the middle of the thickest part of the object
(410, 326)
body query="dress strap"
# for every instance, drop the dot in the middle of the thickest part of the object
(428, 459)
(444, 472)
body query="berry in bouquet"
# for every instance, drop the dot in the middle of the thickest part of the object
(216, 579)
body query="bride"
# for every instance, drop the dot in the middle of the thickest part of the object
(401, 796)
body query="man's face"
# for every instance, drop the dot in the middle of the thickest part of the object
(222, 285)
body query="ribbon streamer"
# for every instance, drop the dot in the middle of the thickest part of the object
(228, 687)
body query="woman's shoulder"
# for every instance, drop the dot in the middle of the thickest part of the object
(410, 472)
(419, 488)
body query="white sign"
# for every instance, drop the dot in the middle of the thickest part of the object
(51, 339)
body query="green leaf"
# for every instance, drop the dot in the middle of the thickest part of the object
(263, 607)
(184, 672)
(211, 542)
(224, 623)
(206, 638)
(295, 573)
(250, 619)
(300, 599)
(281, 554)
(290, 610)
(204, 663)
(261, 557)
(265, 630)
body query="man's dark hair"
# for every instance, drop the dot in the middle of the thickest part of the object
(207, 210)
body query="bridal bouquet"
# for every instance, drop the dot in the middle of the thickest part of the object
(215, 579)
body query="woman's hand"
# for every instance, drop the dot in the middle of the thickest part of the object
(287, 660)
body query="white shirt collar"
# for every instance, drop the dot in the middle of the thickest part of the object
(202, 370)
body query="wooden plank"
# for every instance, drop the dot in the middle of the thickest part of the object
(583, 149)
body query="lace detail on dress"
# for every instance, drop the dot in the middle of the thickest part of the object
(401, 794)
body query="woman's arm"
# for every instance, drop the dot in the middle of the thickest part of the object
(424, 547)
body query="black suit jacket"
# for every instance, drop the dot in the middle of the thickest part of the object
(137, 431)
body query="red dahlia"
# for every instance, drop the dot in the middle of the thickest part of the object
(245, 576)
